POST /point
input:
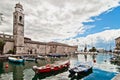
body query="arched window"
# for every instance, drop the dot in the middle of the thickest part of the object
(15, 16)
(20, 18)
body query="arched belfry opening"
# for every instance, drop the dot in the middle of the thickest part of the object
(20, 18)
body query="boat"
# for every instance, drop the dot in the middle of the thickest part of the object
(79, 76)
(30, 59)
(51, 68)
(81, 69)
(57, 55)
(16, 59)
(41, 57)
(41, 76)
(115, 60)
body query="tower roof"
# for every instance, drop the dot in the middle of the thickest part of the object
(18, 5)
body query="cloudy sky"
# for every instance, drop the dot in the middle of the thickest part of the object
(91, 22)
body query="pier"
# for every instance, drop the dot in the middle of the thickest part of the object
(3, 57)
(117, 77)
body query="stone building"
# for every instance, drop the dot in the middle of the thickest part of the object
(25, 45)
(117, 42)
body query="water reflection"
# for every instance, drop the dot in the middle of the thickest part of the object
(44, 75)
(1, 68)
(24, 71)
(81, 75)
(100, 75)
(85, 57)
(94, 56)
(18, 73)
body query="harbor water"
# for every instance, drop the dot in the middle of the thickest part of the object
(103, 69)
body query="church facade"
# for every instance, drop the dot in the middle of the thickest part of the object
(24, 45)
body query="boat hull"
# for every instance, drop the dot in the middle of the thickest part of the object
(81, 72)
(30, 59)
(51, 69)
(80, 75)
(11, 59)
(44, 75)
(57, 55)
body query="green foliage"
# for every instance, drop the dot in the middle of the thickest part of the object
(2, 43)
(93, 49)
(11, 51)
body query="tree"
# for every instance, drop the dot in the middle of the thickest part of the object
(2, 43)
(93, 49)
(11, 51)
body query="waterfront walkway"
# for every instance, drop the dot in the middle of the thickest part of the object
(3, 57)
(117, 77)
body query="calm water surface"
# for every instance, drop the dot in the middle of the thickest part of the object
(103, 69)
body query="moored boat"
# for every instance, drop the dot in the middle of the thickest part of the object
(41, 57)
(30, 58)
(81, 69)
(51, 68)
(16, 59)
(57, 55)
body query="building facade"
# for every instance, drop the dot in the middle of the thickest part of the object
(117, 42)
(25, 45)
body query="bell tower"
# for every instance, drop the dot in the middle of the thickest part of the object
(18, 29)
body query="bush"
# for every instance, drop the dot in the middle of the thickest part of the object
(11, 52)
(93, 49)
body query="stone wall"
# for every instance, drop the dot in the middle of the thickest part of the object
(46, 48)
(8, 46)
(60, 49)
(34, 47)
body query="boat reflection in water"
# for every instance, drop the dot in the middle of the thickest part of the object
(16, 64)
(44, 75)
(79, 76)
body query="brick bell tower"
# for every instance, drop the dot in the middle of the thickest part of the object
(18, 29)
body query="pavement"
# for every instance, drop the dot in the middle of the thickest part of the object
(3, 57)
(117, 77)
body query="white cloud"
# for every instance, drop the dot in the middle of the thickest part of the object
(46, 20)
(106, 37)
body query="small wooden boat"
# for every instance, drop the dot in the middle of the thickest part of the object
(51, 68)
(41, 57)
(16, 59)
(81, 69)
(79, 76)
(41, 76)
(57, 55)
(30, 59)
